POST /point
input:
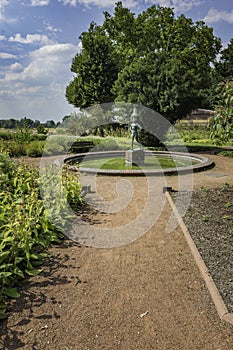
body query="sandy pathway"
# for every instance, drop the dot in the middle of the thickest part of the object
(145, 295)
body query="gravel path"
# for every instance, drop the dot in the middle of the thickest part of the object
(145, 295)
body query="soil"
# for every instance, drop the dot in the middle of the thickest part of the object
(148, 294)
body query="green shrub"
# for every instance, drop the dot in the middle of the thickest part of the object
(5, 135)
(38, 137)
(23, 134)
(35, 149)
(95, 139)
(192, 133)
(41, 129)
(56, 144)
(107, 145)
(53, 148)
(25, 230)
(173, 136)
(15, 149)
(221, 123)
(226, 153)
(149, 140)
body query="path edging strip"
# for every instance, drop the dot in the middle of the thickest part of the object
(220, 306)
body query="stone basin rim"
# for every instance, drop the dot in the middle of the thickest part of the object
(204, 164)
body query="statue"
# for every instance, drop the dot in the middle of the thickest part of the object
(135, 128)
(135, 156)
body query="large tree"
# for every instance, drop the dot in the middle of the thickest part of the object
(171, 70)
(155, 59)
(96, 68)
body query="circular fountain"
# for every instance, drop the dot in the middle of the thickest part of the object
(155, 163)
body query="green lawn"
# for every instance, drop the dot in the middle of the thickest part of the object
(151, 162)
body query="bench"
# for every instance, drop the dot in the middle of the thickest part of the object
(80, 146)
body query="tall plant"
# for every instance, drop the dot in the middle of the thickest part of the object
(221, 123)
(25, 230)
(23, 133)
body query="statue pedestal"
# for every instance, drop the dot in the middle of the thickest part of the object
(134, 157)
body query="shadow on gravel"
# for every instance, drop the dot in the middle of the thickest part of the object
(33, 295)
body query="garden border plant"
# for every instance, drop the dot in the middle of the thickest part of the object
(26, 231)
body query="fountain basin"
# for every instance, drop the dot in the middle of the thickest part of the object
(201, 163)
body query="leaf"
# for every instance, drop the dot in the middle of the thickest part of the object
(35, 256)
(4, 255)
(5, 274)
(19, 201)
(2, 315)
(33, 272)
(18, 272)
(11, 292)
(42, 255)
(55, 239)
(6, 267)
(37, 262)
(18, 260)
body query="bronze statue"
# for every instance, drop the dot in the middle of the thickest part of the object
(135, 128)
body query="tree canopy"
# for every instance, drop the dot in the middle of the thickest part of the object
(155, 59)
(225, 66)
(96, 68)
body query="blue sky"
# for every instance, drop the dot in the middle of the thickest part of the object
(39, 38)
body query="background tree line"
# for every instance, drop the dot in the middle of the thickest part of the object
(36, 124)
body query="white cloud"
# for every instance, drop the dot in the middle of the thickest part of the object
(30, 39)
(214, 16)
(3, 18)
(5, 55)
(16, 67)
(80, 46)
(3, 4)
(58, 51)
(99, 3)
(40, 2)
(40, 86)
(49, 63)
(2, 37)
(52, 29)
(69, 2)
(74, 3)
(178, 5)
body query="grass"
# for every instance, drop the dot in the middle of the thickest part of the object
(151, 162)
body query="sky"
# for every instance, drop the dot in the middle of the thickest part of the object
(39, 38)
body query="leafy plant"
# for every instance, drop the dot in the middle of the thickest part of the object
(226, 217)
(23, 134)
(205, 218)
(221, 123)
(35, 149)
(25, 230)
(5, 135)
(226, 154)
(228, 204)
(41, 129)
(225, 186)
